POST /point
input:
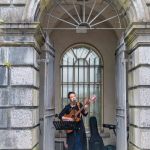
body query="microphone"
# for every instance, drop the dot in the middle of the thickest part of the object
(75, 99)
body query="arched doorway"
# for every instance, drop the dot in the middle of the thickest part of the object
(104, 37)
(98, 14)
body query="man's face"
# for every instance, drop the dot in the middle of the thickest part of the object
(72, 97)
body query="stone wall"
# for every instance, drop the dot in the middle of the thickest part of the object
(139, 87)
(12, 10)
(19, 87)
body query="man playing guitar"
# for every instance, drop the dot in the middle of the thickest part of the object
(76, 139)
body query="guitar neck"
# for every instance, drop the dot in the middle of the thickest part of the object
(79, 111)
(87, 103)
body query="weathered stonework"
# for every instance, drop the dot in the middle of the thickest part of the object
(140, 137)
(139, 97)
(139, 57)
(24, 117)
(18, 139)
(4, 95)
(36, 147)
(5, 13)
(2, 2)
(19, 95)
(140, 117)
(24, 97)
(139, 87)
(19, 2)
(12, 10)
(24, 76)
(18, 118)
(4, 76)
(4, 118)
(139, 76)
(2, 56)
(23, 56)
(132, 147)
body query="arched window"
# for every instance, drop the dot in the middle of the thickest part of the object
(81, 72)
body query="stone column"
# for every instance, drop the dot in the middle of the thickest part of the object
(138, 43)
(46, 105)
(19, 86)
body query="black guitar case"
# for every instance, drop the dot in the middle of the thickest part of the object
(96, 141)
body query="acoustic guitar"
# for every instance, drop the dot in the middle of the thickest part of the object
(76, 114)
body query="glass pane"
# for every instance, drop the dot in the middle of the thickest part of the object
(64, 75)
(97, 61)
(70, 55)
(98, 74)
(81, 74)
(81, 52)
(70, 74)
(92, 92)
(65, 101)
(80, 95)
(76, 74)
(90, 57)
(94, 59)
(85, 52)
(70, 89)
(81, 62)
(86, 93)
(76, 90)
(64, 91)
(85, 74)
(92, 74)
(69, 58)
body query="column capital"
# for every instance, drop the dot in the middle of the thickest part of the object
(137, 34)
(19, 34)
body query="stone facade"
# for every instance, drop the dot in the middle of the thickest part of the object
(21, 38)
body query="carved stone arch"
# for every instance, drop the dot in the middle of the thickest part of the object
(141, 10)
(115, 6)
(131, 12)
(139, 7)
(31, 8)
(136, 10)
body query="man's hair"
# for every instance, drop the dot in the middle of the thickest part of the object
(70, 94)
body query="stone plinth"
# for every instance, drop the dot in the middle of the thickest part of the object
(140, 137)
(19, 139)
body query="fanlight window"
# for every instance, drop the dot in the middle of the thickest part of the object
(81, 72)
